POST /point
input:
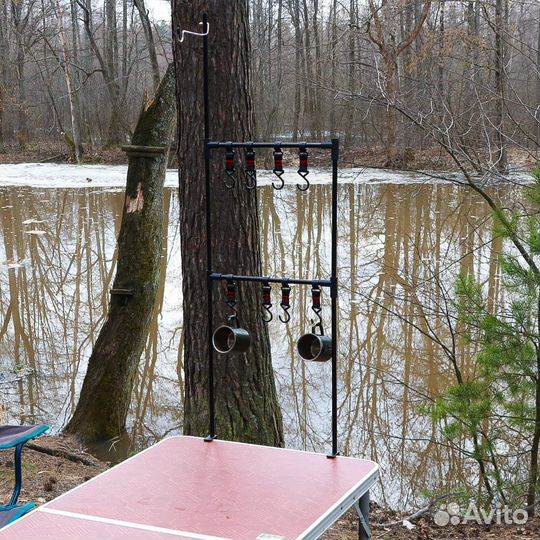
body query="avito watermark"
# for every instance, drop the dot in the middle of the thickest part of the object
(451, 514)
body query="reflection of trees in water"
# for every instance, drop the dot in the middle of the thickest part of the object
(406, 245)
(400, 250)
(54, 302)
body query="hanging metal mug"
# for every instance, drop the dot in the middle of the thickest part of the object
(227, 339)
(314, 347)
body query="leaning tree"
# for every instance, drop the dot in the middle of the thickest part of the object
(246, 402)
(105, 398)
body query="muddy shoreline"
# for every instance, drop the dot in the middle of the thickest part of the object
(432, 159)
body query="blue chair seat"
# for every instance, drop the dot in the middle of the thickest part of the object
(12, 436)
(16, 437)
(11, 513)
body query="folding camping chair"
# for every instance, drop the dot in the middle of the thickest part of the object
(16, 437)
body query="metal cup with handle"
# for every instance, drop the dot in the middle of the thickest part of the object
(314, 347)
(227, 339)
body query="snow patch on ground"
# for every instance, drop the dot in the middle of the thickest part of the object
(48, 175)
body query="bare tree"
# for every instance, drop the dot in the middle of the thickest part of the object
(104, 402)
(386, 37)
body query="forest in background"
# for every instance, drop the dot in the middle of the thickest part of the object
(397, 76)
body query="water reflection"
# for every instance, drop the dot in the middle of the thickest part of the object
(400, 250)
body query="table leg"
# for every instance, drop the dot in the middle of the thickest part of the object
(18, 474)
(362, 507)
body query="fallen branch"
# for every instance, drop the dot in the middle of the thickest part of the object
(419, 513)
(65, 454)
(57, 157)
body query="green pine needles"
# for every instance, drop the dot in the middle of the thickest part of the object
(497, 402)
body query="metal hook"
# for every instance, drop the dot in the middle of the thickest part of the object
(267, 302)
(231, 299)
(234, 316)
(304, 176)
(232, 183)
(251, 183)
(251, 171)
(185, 32)
(229, 167)
(267, 317)
(278, 167)
(287, 315)
(285, 303)
(279, 175)
(318, 324)
(303, 169)
(316, 308)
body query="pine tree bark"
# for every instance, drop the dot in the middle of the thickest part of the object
(103, 405)
(246, 402)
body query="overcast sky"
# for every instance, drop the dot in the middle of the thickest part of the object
(159, 9)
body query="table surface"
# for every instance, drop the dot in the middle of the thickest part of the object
(189, 488)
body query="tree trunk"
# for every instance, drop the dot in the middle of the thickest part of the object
(75, 78)
(108, 64)
(349, 109)
(3, 71)
(149, 37)
(538, 90)
(393, 155)
(501, 160)
(532, 488)
(20, 27)
(333, 45)
(2, 130)
(105, 396)
(295, 16)
(246, 402)
(71, 92)
(384, 37)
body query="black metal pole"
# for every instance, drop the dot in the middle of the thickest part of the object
(209, 282)
(264, 279)
(252, 144)
(334, 293)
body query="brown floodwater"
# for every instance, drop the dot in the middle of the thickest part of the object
(400, 250)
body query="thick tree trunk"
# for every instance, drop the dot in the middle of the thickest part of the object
(105, 396)
(246, 403)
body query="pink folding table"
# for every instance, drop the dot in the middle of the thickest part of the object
(188, 488)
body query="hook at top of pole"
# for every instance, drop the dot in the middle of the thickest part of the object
(184, 32)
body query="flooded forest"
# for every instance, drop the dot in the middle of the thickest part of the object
(59, 250)
(437, 108)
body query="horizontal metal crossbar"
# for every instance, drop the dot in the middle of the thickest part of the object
(214, 276)
(275, 144)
